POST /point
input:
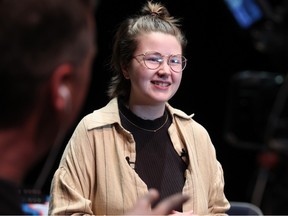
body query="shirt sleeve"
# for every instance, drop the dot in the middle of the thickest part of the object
(72, 182)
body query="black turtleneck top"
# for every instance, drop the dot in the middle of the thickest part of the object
(157, 163)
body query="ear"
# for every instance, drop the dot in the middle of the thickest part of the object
(61, 83)
(125, 71)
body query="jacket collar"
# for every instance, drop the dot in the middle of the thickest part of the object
(109, 114)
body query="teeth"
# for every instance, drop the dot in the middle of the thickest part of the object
(161, 84)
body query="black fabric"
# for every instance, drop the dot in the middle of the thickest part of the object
(157, 162)
(10, 202)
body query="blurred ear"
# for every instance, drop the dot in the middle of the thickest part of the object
(61, 83)
(125, 71)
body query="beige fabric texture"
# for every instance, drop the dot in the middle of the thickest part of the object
(94, 177)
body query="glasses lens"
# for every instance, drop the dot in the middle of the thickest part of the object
(177, 62)
(153, 60)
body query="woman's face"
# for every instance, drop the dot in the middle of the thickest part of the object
(153, 86)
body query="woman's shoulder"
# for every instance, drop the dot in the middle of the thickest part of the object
(185, 120)
(108, 114)
(178, 112)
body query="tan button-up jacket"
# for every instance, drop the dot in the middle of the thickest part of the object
(94, 177)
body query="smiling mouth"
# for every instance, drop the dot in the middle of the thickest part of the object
(164, 84)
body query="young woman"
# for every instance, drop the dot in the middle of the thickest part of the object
(138, 140)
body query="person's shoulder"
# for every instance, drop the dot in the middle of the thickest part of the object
(178, 112)
(187, 119)
(103, 116)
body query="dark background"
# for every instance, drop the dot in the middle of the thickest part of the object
(218, 48)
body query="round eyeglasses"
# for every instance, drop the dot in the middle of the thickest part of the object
(152, 60)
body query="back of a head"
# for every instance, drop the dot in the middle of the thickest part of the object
(35, 37)
(153, 17)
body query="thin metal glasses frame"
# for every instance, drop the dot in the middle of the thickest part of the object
(153, 60)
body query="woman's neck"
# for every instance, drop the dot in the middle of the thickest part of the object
(147, 112)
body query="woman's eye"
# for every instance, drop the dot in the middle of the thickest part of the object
(175, 61)
(154, 59)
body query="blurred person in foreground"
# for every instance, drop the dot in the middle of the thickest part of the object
(47, 48)
(138, 140)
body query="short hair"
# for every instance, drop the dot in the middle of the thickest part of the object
(153, 17)
(35, 37)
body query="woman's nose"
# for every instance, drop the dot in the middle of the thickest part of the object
(164, 68)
